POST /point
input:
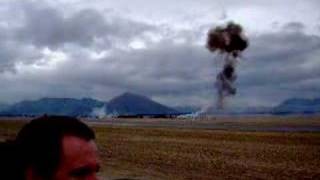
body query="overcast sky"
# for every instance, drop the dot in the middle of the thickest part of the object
(100, 49)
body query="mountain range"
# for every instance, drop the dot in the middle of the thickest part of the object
(129, 104)
(287, 107)
(301, 106)
(53, 106)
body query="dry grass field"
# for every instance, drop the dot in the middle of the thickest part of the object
(139, 152)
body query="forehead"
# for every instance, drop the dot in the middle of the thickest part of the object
(77, 151)
(72, 144)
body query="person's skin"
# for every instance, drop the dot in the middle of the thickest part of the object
(79, 160)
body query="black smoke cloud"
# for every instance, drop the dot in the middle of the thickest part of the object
(227, 39)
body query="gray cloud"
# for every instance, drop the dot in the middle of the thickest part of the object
(38, 26)
(294, 26)
(285, 64)
(46, 26)
(285, 54)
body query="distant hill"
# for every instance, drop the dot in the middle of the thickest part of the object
(296, 105)
(289, 106)
(133, 104)
(53, 106)
(129, 104)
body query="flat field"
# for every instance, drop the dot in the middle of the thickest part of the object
(211, 148)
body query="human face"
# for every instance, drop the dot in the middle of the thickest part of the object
(79, 160)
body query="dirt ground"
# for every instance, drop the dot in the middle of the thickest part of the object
(207, 148)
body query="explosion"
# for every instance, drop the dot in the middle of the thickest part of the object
(230, 41)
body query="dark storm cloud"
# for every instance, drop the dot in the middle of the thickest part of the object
(12, 51)
(6, 54)
(285, 64)
(39, 26)
(46, 26)
(164, 68)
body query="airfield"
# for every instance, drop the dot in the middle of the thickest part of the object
(222, 147)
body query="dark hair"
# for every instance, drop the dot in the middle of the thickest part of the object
(9, 161)
(39, 142)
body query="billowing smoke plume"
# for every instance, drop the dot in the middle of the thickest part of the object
(227, 39)
(230, 41)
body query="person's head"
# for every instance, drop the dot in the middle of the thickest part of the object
(57, 148)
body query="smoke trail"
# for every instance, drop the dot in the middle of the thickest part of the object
(230, 41)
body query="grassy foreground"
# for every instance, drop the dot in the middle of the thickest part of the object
(158, 153)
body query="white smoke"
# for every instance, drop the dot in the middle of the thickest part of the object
(99, 112)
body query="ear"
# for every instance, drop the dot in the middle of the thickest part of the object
(31, 174)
